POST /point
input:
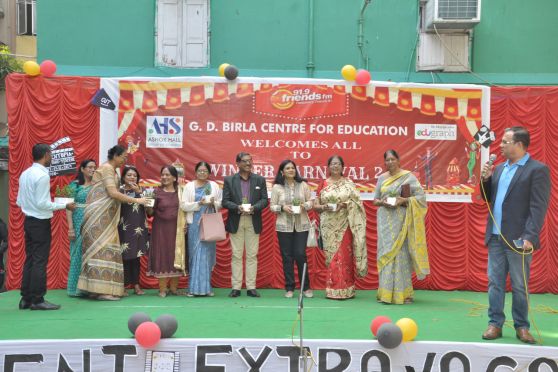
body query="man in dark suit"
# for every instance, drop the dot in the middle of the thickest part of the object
(518, 192)
(245, 196)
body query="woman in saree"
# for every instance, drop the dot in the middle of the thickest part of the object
(342, 227)
(80, 187)
(200, 196)
(401, 233)
(167, 250)
(101, 268)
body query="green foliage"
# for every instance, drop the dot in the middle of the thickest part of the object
(8, 64)
(64, 192)
(296, 202)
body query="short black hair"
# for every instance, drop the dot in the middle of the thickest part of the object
(520, 134)
(40, 150)
(204, 164)
(116, 150)
(335, 157)
(240, 155)
(392, 152)
(128, 168)
(280, 179)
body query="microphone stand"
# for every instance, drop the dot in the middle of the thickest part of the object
(303, 354)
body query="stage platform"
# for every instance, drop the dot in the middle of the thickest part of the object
(448, 322)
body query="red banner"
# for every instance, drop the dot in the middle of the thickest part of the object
(186, 122)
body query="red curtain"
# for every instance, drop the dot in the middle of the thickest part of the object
(47, 109)
(43, 110)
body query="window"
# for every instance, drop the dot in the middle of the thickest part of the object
(26, 20)
(182, 33)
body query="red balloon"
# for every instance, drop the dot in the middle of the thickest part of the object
(362, 77)
(48, 68)
(148, 334)
(377, 322)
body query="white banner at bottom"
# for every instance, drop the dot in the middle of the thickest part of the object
(228, 355)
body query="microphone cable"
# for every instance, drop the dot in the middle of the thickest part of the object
(523, 253)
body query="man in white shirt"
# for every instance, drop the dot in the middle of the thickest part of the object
(34, 200)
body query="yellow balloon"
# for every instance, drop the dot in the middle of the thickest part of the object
(222, 68)
(349, 72)
(408, 327)
(31, 68)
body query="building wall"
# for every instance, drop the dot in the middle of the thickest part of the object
(270, 38)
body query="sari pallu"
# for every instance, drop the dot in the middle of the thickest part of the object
(101, 269)
(344, 238)
(401, 239)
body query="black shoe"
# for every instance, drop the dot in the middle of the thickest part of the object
(23, 304)
(252, 293)
(234, 293)
(44, 306)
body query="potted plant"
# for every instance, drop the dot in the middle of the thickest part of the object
(392, 198)
(207, 193)
(64, 195)
(296, 206)
(149, 195)
(332, 203)
(245, 205)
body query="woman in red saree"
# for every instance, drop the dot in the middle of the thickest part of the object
(343, 231)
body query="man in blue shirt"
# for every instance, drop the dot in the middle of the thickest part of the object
(518, 191)
(34, 200)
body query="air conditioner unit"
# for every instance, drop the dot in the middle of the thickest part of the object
(447, 15)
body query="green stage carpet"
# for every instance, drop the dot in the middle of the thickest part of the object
(441, 316)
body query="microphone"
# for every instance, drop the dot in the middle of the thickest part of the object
(490, 162)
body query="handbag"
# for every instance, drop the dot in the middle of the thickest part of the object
(212, 227)
(313, 232)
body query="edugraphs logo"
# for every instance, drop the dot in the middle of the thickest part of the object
(436, 132)
(284, 99)
(164, 131)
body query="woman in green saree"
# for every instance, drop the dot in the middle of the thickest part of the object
(401, 232)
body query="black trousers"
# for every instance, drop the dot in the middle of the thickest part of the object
(131, 271)
(37, 250)
(293, 249)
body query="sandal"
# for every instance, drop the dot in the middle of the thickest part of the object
(409, 300)
(108, 298)
(162, 294)
(178, 292)
(139, 291)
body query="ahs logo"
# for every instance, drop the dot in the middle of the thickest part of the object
(166, 125)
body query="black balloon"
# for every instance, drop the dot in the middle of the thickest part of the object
(231, 72)
(389, 335)
(168, 325)
(136, 319)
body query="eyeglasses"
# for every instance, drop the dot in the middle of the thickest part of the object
(246, 161)
(202, 172)
(334, 164)
(504, 142)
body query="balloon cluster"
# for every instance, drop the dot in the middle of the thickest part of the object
(391, 335)
(148, 333)
(46, 68)
(229, 71)
(350, 73)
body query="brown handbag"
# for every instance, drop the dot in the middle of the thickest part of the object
(212, 227)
